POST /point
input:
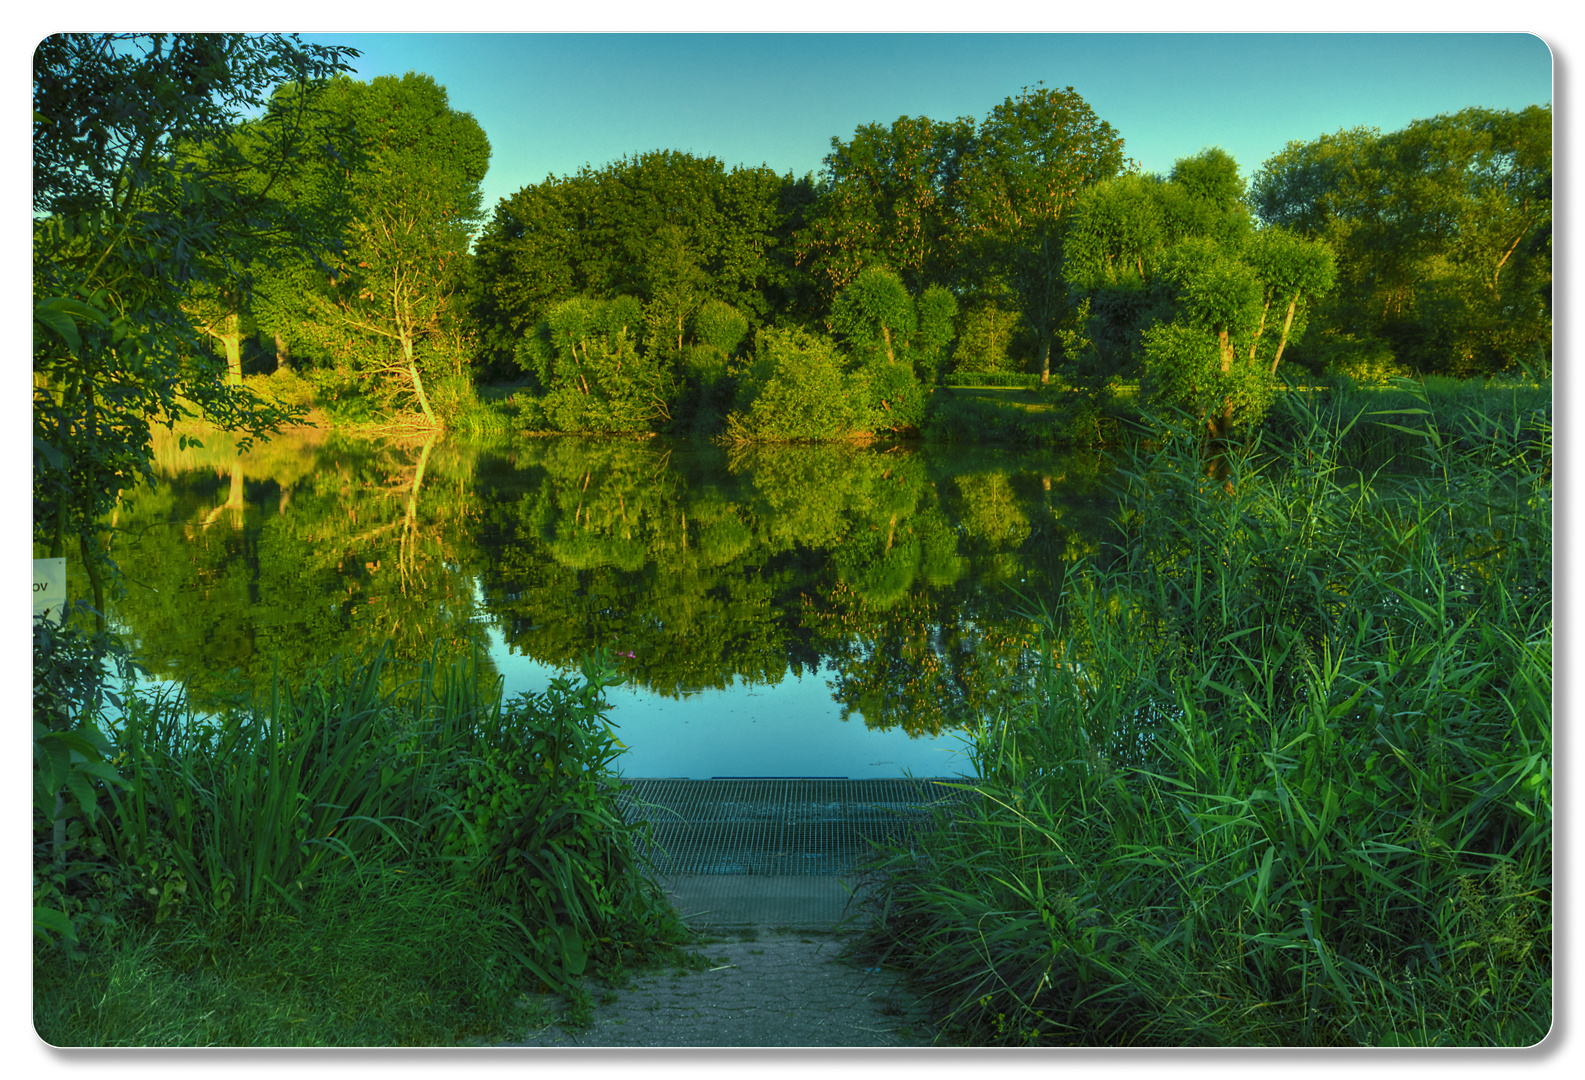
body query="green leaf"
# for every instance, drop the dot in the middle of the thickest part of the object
(48, 920)
(56, 459)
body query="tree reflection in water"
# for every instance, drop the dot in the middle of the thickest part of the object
(898, 573)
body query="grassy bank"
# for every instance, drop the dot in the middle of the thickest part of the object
(1284, 778)
(379, 857)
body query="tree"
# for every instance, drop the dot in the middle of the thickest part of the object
(1030, 160)
(888, 197)
(590, 354)
(668, 228)
(128, 223)
(898, 343)
(413, 209)
(1442, 232)
(1176, 267)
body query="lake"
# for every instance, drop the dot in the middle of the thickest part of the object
(827, 610)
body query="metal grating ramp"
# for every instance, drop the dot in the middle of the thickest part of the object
(778, 827)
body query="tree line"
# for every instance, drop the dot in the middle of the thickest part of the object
(668, 291)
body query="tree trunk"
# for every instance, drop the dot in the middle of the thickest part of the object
(283, 353)
(1287, 324)
(418, 383)
(231, 339)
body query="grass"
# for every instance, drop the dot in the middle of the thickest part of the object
(1284, 777)
(1382, 427)
(1050, 418)
(385, 959)
(378, 857)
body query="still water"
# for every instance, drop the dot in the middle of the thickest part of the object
(774, 611)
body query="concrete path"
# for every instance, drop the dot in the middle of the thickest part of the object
(783, 990)
(776, 977)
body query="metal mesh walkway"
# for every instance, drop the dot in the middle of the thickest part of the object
(778, 827)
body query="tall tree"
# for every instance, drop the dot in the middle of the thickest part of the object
(643, 226)
(128, 223)
(889, 196)
(1031, 159)
(413, 208)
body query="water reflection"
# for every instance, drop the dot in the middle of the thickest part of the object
(884, 579)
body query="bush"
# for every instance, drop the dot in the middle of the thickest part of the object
(587, 352)
(1284, 777)
(795, 391)
(284, 385)
(897, 401)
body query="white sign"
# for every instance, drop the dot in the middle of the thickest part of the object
(49, 588)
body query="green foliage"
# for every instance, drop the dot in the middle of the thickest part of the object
(795, 389)
(388, 957)
(988, 333)
(70, 768)
(262, 811)
(387, 311)
(1284, 778)
(588, 353)
(130, 220)
(1032, 157)
(1443, 235)
(888, 198)
(536, 820)
(1174, 281)
(670, 228)
(1055, 419)
(897, 342)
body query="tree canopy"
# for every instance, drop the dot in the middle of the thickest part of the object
(1443, 235)
(1181, 287)
(146, 196)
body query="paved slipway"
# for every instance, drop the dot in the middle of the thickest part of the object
(777, 978)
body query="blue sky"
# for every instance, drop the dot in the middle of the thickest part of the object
(551, 103)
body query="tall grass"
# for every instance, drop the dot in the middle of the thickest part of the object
(1384, 426)
(1284, 777)
(475, 837)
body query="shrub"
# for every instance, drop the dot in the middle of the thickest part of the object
(588, 353)
(796, 390)
(233, 817)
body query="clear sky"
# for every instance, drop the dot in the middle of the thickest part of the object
(551, 103)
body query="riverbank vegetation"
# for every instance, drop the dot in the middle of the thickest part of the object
(652, 294)
(1284, 775)
(423, 858)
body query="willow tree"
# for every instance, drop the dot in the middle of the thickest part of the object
(896, 340)
(1177, 267)
(1443, 232)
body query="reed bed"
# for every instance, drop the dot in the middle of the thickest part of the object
(1284, 776)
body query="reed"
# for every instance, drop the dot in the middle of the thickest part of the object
(1284, 777)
